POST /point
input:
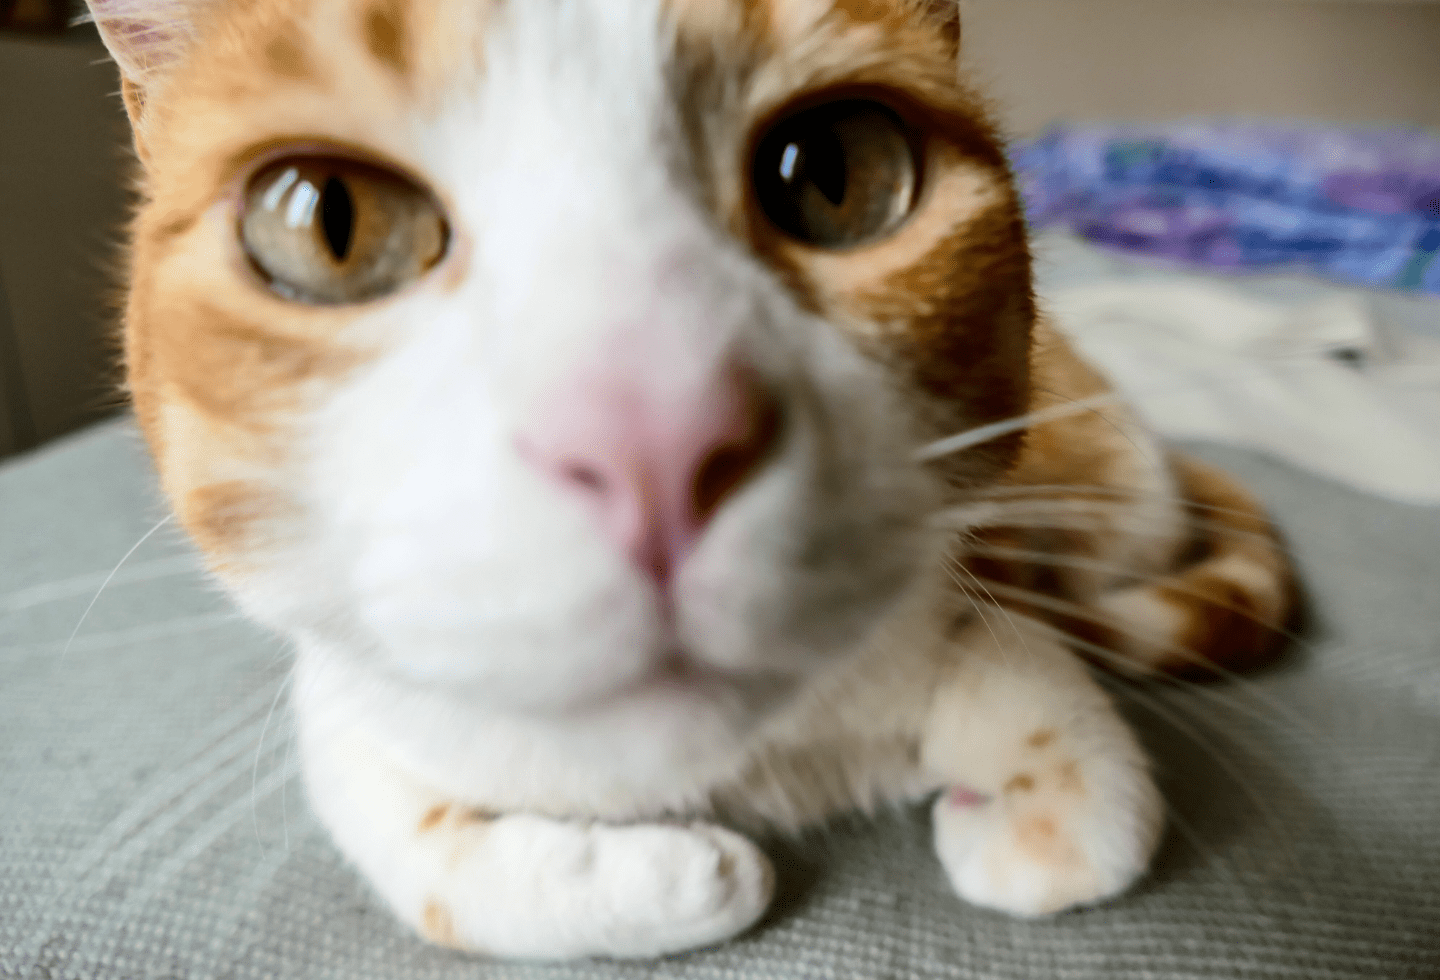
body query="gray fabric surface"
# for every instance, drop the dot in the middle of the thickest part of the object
(151, 825)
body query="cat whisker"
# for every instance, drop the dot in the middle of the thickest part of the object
(1172, 581)
(259, 748)
(1261, 710)
(1116, 496)
(1174, 818)
(79, 585)
(1078, 517)
(986, 433)
(1169, 711)
(290, 744)
(163, 629)
(981, 585)
(1103, 417)
(951, 566)
(133, 548)
(1079, 503)
(1160, 709)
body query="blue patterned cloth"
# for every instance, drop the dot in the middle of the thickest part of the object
(1359, 205)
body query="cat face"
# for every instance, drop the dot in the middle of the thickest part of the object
(569, 354)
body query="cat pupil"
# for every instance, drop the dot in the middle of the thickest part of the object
(825, 166)
(337, 213)
(818, 158)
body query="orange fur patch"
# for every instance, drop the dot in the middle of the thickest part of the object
(1220, 605)
(865, 11)
(1022, 783)
(1040, 738)
(1240, 592)
(433, 816)
(238, 371)
(285, 55)
(437, 925)
(1041, 839)
(1080, 449)
(386, 34)
(961, 318)
(221, 517)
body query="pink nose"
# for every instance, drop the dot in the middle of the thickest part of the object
(653, 467)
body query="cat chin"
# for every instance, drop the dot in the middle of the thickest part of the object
(653, 747)
(534, 683)
(678, 678)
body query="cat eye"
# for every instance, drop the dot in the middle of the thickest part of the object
(837, 175)
(330, 230)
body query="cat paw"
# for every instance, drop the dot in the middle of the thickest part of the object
(681, 888)
(1047, 842)
(554, 890)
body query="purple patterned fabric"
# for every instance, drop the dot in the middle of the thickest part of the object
(1360, 205)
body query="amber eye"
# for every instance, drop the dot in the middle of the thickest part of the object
(329, 230)
(837, 175)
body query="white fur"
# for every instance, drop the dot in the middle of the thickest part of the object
(530, 886)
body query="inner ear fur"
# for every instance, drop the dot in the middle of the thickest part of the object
(946, 16)
(133, 95)
(145, 38)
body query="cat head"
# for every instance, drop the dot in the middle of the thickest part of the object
(569, 354)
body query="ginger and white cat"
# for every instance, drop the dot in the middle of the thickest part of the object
(558, 374)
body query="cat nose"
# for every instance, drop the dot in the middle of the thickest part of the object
(653, 461)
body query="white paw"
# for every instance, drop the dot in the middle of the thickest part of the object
(547, 889)
(679, 888)
(1046, 844)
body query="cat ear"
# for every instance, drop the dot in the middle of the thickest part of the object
(946, 16)
(145, 37)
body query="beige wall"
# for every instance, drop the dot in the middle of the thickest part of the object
(1045, 60)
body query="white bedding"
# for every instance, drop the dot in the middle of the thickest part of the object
(1343, 382)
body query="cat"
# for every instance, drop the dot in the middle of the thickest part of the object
(639, 416)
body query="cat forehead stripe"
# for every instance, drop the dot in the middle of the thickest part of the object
(387, 33)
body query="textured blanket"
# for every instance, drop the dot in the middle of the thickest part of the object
(1359, 205)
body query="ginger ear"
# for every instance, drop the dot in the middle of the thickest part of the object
(145, 37)
(946, 16)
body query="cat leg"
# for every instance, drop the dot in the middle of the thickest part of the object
(529, 887)
(1049, 802)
